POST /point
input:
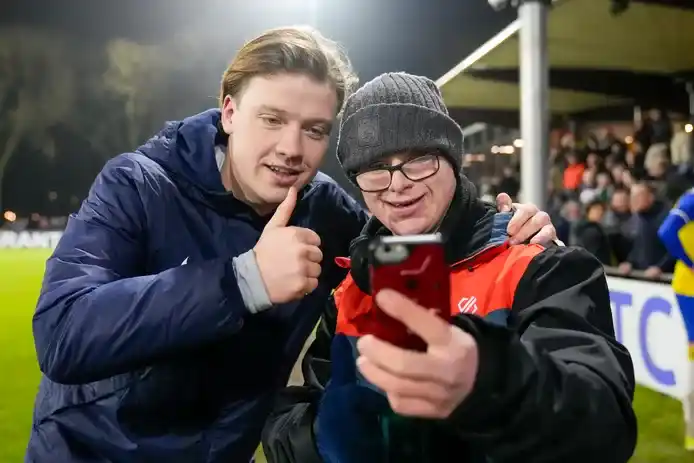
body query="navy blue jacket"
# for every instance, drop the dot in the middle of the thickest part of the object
(648, 250)
(148, 360)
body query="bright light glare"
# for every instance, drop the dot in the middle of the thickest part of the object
(10, 216)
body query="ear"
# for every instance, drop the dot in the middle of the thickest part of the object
(228, 111)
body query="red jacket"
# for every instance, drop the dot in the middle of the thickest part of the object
(553, 383)
(483, 284)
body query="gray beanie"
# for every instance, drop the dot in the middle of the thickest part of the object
(396, 112)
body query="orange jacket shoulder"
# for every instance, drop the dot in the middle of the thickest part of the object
(491, 284)
(478, 287)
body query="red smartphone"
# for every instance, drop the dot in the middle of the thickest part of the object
(416, 267)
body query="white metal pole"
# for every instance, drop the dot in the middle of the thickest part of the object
(534, 88)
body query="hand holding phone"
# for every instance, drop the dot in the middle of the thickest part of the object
(416, 267)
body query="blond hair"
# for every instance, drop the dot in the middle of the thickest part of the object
(297, 49)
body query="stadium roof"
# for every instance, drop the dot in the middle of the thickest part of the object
(618, 56)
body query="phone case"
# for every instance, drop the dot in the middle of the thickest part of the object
(416, 267)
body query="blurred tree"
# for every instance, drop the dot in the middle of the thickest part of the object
(128, 91)
(139, 77)
(37, 91)
(100, 122)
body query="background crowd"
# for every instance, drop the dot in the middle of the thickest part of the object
(610, 194)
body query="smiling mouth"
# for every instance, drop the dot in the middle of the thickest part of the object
(404, 204)
(280, 170)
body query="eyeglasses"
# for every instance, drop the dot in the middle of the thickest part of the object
(416, 169)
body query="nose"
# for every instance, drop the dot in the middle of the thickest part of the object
(399, 183)
(290, 142)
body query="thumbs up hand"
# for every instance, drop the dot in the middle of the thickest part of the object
(288, 257)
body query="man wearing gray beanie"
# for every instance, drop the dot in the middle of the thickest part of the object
(528, 369)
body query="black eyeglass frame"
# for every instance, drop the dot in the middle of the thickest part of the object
(399, 168)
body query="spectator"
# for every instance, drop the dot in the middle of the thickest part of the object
(600, 187)
(617, 172)
(573, 174)
(680, 146)
(648, 253)
(655, 154)
(660, 173)
(591, 235)
(617, 153)
(555, 199)
(628, 179)
(617, 224)
(611, 161)
(619, 213)
(643, 134)
(568, 142)
(604, 186)
(593, 162)
(659, 151)
(661, 126)
(509, 183)
(570, 215)
(556, 178)
(602, 141)
(635, 159)
(587, 186)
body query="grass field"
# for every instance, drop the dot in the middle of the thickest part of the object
(660, 422)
